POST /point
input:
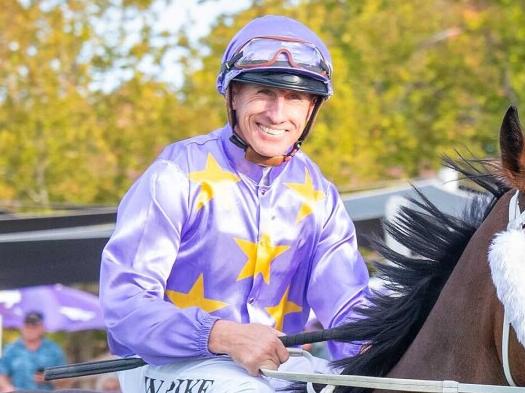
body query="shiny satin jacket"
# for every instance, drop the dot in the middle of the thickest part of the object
(204, 234)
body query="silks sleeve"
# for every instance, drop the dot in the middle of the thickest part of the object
(339, 278)
(136, 264)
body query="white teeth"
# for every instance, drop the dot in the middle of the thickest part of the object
(272, 131)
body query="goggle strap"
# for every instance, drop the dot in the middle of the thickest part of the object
(228, 65)
(326, 68)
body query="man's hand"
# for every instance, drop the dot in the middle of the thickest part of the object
(253, 346)
(5, 384)
(38, 377)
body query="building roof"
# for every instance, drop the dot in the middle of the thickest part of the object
(371, 205)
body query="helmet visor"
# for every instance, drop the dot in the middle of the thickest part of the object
(281, 53)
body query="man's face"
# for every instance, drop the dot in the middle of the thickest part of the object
(32, 331)
(270, 119)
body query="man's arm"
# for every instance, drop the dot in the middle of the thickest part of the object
(341, 281)
(253, 346)
(136, 264)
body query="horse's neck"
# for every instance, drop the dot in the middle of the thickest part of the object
(456, 342)
(459, 339)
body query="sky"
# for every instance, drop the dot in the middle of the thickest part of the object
(196, 18)
(202, 14)
(202, 17)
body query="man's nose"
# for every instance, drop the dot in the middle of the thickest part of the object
(277, 110)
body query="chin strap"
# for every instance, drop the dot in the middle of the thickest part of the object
(252, 155)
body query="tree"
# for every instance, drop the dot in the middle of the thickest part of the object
(413, 80)
(61, 70)
(84, 108)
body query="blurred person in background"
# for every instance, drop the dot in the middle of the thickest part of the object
(229, 239)
(23, 362)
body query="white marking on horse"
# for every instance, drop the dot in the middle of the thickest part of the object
(507, 264)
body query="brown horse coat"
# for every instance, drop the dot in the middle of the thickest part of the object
(455, 329)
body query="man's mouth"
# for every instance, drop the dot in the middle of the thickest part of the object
(271, 131)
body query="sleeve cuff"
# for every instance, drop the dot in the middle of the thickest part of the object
(204, 335)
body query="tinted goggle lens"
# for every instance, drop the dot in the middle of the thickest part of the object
(272, 52)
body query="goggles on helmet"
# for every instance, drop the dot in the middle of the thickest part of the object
(280, 52)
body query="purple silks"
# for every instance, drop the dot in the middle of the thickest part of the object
(64, 308)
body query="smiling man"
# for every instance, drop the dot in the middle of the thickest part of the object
(230, 239)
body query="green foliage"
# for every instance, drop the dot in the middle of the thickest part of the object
(413, 81)
(81, 116)
(63, 136)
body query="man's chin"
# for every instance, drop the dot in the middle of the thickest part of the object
(273, 151)
(256, 158)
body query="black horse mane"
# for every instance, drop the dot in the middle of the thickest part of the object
(413, 283)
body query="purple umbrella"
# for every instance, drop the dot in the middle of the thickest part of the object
(63, 308)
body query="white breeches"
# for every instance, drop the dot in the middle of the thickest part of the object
(215, 375)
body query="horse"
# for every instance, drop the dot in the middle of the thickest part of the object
(442, 314)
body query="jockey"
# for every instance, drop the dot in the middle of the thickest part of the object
(230, 239)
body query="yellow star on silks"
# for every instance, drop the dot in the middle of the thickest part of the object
(260, 256)
(209, 179)
(308, 193)
(284, 307)
(195, 298)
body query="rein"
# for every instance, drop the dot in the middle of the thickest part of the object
(383, 383)
(331, 380)
(407, 385)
